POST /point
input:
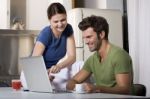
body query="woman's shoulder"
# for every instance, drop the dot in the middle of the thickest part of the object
(69, 27)
(69, 30)
(45, 32)
(46, 29)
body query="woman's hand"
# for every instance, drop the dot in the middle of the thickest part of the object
(55, 69)
(51, 77)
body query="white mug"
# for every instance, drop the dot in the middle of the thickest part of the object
(80, 88)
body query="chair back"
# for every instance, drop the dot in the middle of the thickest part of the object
(139, 90)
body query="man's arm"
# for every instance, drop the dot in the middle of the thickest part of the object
(80, 77)
(123, 85)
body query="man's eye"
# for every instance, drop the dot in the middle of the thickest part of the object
(55, 21)
(63, 20)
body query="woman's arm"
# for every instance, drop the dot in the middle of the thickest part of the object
(38, 49)
(70, 57)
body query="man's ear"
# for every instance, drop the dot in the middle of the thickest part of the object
(102, 35)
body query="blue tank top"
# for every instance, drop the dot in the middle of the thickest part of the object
(55, 48)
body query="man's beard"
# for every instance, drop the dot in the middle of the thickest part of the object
(97, 45)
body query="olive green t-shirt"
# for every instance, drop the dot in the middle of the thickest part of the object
(117, 61)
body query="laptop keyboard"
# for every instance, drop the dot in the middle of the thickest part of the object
(61, 91)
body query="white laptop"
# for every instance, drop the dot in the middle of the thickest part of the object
(36, 74)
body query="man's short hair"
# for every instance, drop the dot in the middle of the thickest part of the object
(98, 23)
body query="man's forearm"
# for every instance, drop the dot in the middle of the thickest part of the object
(113, 90)
(71, 84)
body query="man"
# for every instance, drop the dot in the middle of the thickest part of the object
(110, 65)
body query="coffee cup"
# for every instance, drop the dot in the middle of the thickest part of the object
(16, 84)
(80, 88)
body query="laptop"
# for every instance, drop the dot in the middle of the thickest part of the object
(36, 75)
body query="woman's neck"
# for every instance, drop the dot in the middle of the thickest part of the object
(57, 34)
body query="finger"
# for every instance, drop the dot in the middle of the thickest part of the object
(51, 78)
(48, 71)
(55, 69)
(52, 69)
(88, 87)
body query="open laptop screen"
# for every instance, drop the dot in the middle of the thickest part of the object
(36, 74)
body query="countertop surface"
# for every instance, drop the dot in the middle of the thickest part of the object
(10, 32)
(9, 93)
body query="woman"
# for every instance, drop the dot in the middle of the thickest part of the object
(56, 40)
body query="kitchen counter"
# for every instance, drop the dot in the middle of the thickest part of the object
(10, 32)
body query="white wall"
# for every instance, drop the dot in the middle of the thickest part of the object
(4, 14)
(95, 4)
(67, 3)
(118, 4)
(139, 34)
(104, 4)
(36, 15)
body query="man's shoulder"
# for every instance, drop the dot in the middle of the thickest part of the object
(92, 58)
(89, 63)
(94, 55)
(118, 52)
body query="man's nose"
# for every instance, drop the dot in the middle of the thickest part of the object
(86, 41)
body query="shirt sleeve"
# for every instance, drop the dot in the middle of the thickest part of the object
(123, 63)
(69, 30)
(87, 66)
(44, 36)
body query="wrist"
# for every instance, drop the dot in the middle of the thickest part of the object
(71, 84)
(96, 89)
(59, 67)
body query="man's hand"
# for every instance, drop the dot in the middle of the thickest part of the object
(71, 84)
(90, 88)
